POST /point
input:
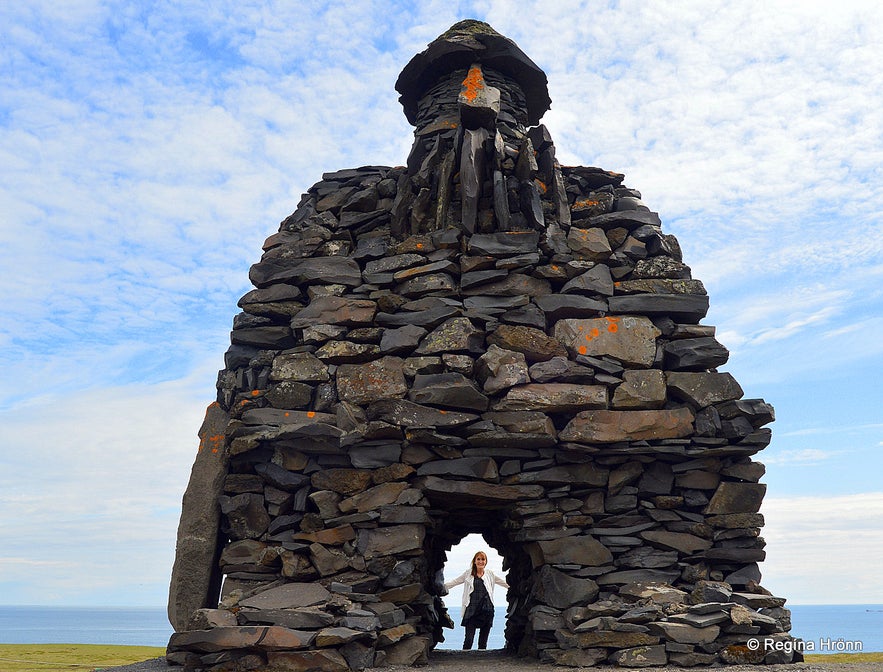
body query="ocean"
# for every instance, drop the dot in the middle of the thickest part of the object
(825, 628)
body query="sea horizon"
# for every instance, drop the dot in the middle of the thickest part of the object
(825, 628)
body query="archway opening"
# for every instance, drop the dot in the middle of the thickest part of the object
(459, 560)
(470, 526)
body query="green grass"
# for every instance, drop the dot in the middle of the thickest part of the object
(72, 657)
(844, 657)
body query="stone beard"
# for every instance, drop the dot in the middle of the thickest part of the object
(480, 341)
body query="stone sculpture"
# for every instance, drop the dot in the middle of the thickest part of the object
(481, 341)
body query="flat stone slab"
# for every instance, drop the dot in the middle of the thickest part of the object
(288, 596)
(629, 339)
(612, 426)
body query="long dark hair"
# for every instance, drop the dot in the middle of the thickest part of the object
(474, 569)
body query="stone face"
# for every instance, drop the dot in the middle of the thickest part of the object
(640, 389)
(629, 339)
(195, 576)
(736, 498)
(301, 366)
(365, 383)
(471, 493)
(471, 467)
(559, 306)
(559, 590)
(611, 426)
(596, 281)
(553, 397)
(240, 637)
(288, 596)
(409, 414)
(452, 390)
(503, 244)
(693, 354)
(589, 244)
(389, 540)
(678, 541)
(335, 310)
(703, 389)
(688, 308)
(307, 661)
(572, 550)
(499, 369)
(456, 335)
(640, 656)
(245, 515)
(532, 343)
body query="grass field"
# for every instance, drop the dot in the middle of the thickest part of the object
(844, 657)
(74, 657)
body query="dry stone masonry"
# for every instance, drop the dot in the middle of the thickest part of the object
(481, 341)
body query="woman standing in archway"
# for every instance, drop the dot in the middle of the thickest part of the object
(478, 599)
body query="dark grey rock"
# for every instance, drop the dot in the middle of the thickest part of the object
(452, 390)
(693, 354)
(558, 306)
(683, 307)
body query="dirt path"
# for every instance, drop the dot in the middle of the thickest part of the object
(496, 661)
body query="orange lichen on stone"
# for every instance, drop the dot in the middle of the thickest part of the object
(311, 414)
(612, 325)
(473, 83)
(541, 186)
(255, 393)
(585, 203)
(215, 442)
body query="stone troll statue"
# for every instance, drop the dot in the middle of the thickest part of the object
(480, 341)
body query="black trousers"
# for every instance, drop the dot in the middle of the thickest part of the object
(483, 634)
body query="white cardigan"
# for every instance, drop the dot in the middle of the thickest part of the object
(468, 582)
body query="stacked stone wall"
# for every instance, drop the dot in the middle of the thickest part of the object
(481, 341)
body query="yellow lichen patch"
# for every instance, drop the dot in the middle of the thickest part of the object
(585, 203)
(473, 83)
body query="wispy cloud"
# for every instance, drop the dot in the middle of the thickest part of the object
(811, 539)
(801, 457)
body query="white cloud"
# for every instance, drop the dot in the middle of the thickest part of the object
(91, 488)
(824, 550)
(801, 457)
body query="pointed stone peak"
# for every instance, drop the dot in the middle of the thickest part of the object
(463, 44)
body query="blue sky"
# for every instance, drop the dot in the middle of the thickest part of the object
(147, 149)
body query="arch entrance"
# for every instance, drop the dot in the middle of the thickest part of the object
(459, 559)
(485, 530)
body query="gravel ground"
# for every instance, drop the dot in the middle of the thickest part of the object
(493, 661)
